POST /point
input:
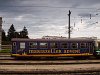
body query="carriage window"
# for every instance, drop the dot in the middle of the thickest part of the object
(74, 45)
(53, 45)
(43, 45)
(14, 43)
(22, 45)
(64, 45)
(82, 45)
(33, 45)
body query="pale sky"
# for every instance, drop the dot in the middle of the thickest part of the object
(50, 17)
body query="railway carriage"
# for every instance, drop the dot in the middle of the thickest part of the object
(52, 47)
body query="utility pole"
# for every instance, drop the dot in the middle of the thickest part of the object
(0, 31)
(69, 31)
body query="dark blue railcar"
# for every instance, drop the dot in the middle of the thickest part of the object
(52, 47)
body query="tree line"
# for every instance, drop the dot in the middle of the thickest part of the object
(12, 33)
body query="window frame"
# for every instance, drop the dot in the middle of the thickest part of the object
(22, 45)
(61, 46)
(14, 43)
(85, 45)
(45, 46)
(75, 45)
(54, 46)
(33, 45)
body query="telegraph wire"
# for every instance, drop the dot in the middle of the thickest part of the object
(50, 7)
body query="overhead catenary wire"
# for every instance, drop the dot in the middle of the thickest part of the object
(52, 7)
(42, 6)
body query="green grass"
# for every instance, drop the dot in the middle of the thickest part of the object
(5, 51)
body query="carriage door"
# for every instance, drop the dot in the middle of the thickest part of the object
(90, 47)
(14, 47)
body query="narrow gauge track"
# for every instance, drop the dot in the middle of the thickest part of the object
(8, 62)
(48, 62)
(92, 72)
(6, 58)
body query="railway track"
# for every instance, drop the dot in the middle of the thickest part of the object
(87, 69)
(4, 56)
(94, 72)
(60, 66)
(8, 60)
(47, 62)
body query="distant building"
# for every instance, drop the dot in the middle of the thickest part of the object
(61, 37)
(95, 38)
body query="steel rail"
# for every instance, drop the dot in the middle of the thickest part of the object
(48, 62)
(48, 72)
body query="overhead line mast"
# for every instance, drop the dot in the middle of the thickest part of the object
(69, 31)
(0, 32)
